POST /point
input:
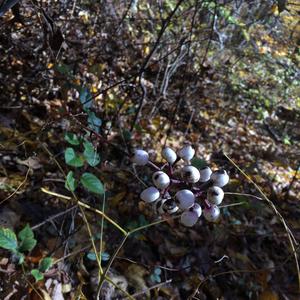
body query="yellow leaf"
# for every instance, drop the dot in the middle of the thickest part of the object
(117, 198)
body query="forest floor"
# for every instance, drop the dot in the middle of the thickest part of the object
(247, 254)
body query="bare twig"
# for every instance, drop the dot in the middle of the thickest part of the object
(16, 190)
(53, 217)
(164, 26)
(151, 288)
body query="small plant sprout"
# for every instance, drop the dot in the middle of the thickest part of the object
(205, 174)
(197, 209)
(185, 199)
(161, 180)
(220, 178)
(189, 218)
(169, 155)
(186, 153)
(140, 157)
(211, 213)
(190, 174)
(183, 189)
(215, 195)
(150, 194)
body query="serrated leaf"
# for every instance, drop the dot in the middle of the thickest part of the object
(72, 138)
(37, 275)
(26, 237)
(27, 245)
(26, 233)
(91, 156)
(70, 183)
(72, 159)
(45, 264)
(92, 183)
(8, 239)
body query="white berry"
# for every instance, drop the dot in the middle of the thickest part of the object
(197, 209)
(189, 218)
(169, 206)
(190, 174)
(186, 153)
(205, 174)
(215, 195)
(220, 178)
(161, 180)
(169, 155)
(185, 199)
(212, 213)
(159, 206)
(140, 157)
(150, 194)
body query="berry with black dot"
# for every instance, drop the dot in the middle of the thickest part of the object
(187, 152)
(219, 178)
(211, 213)
(205, 174)
(161, 180)
(190, 174)
(215, 195)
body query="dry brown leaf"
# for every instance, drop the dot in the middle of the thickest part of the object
(268, 295)
(31, 162)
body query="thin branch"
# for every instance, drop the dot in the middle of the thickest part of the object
(164, 26)
(290, 235)
(151, 288)
(16, 190)
(53, 217)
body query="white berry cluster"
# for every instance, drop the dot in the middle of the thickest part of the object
(184, 190)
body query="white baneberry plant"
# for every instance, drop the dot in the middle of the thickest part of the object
(182, 188)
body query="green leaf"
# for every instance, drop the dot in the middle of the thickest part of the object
(198, 163)
(72, 138)
(157, 271)
(286, 140)
(37, 275)
(26, 233)
(64, 69)
(26, 237)
(70, 183)
(92, 183)
(27, 245)
(8, 239)
(155, 278)
(20, 257)
(85, 98)
(45, 264)
(72, 159)
(93, 121)
(91, 156)
(127, 135)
